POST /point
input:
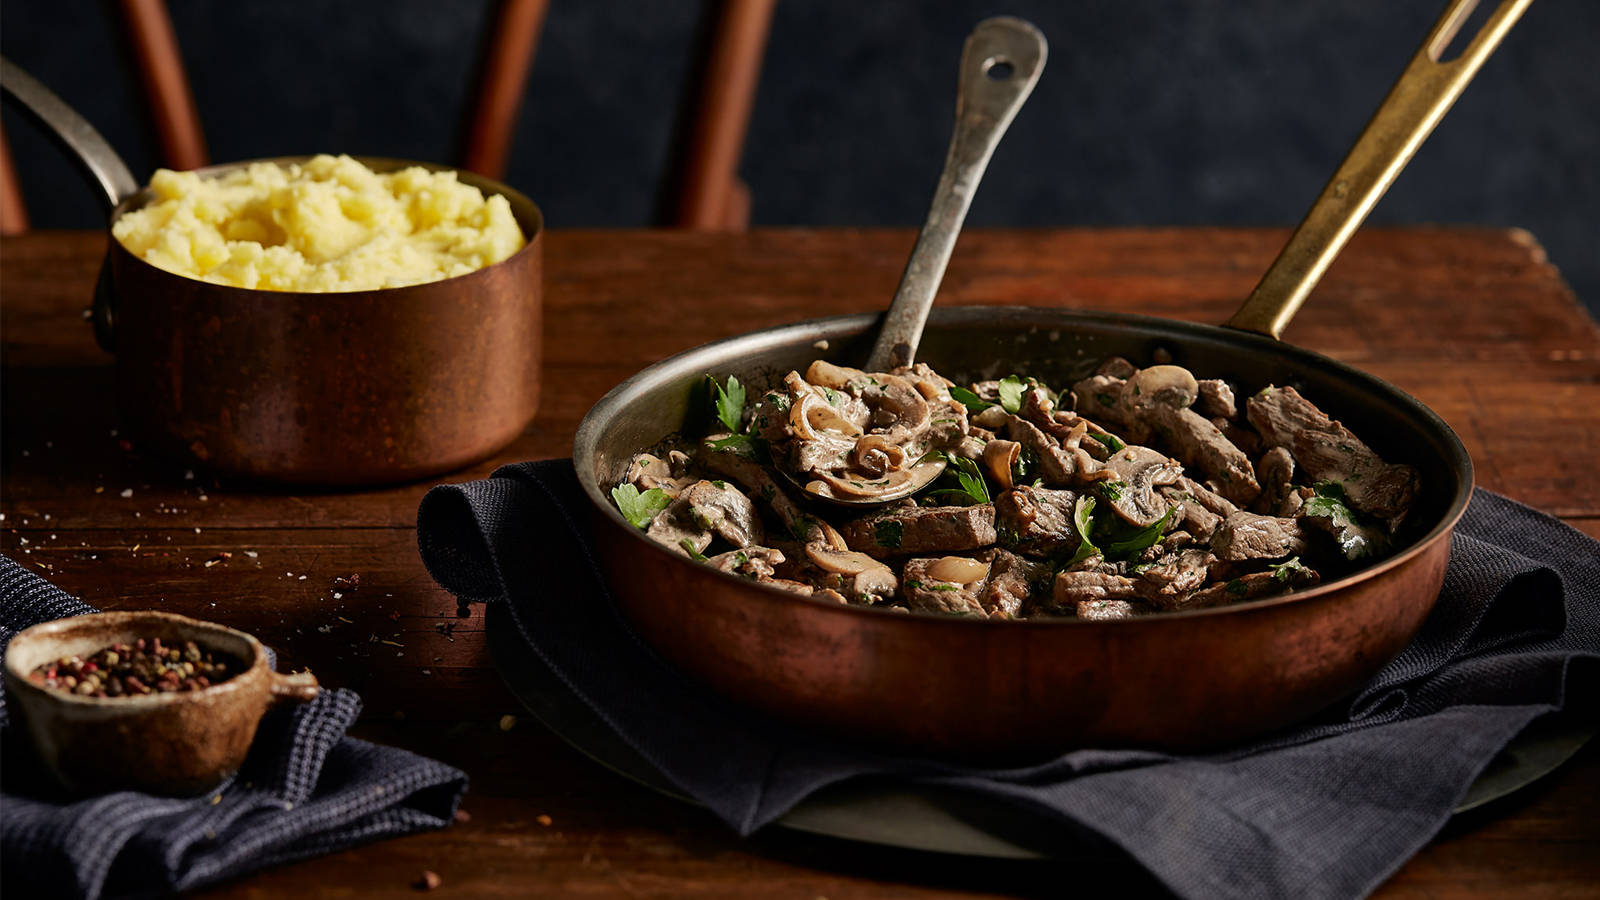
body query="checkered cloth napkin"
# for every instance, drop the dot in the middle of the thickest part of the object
(1328, 809)
(306, 789)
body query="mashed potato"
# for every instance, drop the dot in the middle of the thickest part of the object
(331, 224)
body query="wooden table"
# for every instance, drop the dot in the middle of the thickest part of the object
(1475, 323)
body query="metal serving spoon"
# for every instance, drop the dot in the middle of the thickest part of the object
(1000, 64)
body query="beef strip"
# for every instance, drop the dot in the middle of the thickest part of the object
(669, 475)
(1087, 585)
(1202, 447)
(1279, 496)
(1057, 467)
(1169, 581)
(1245, 535)
(921, 529)
(1216, 399)
(1103, 610)
(1116, 367)
(1206, 497)
(1036, 521)
(1252, 585)
(1327, 451)
(925, 593)
(1014, 583)
(794, 587)
(1192, 516)
(704, 510)
(1100, 396)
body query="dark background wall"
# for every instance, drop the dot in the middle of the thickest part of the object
(1226, 112)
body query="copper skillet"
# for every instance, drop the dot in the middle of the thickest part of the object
(364, 387)
(940, 686)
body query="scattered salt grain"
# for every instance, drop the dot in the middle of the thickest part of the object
(127, 492)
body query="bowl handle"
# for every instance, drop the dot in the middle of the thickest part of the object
(298, 687)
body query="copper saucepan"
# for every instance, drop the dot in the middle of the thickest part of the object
(362, 387)
(959, 687)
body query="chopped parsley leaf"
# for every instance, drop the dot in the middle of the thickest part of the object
(1011, 388)
(971, 401)
(728, 402)
(889, 533)
(639, 508)
(1112, 442)
(1082, 514)
(740, 444)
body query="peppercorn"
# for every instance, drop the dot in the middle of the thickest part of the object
(130, 670)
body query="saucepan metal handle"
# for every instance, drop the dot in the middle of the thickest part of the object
(1419, 99)
(1000, 64)
(73, 132)
(94, 156)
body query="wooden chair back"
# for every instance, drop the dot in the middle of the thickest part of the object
(707, 192)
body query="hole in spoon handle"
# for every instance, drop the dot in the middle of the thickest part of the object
(1000, 64)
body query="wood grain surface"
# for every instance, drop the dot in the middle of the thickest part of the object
(1474, 322)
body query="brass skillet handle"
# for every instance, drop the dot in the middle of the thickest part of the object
(1419, 99)
(1000, 64)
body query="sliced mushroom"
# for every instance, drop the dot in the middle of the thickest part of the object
(992, 417)
(811, 413)
(1139, 472)
(841, 562)
(826, 374)
(875, 456)
(677, 534)
(1172, 386)
(897, 406)
(752, 562)
(860, 578)
(1000, 458)
(827, 484)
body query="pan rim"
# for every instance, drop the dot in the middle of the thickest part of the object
(617, 399)
(528, 215)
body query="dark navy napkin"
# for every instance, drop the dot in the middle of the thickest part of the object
(306, 789)
(1329, 809)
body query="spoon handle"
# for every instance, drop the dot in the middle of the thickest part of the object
(999, 66)
(1416, 103)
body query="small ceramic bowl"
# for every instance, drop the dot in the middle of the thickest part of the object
(175, 744)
